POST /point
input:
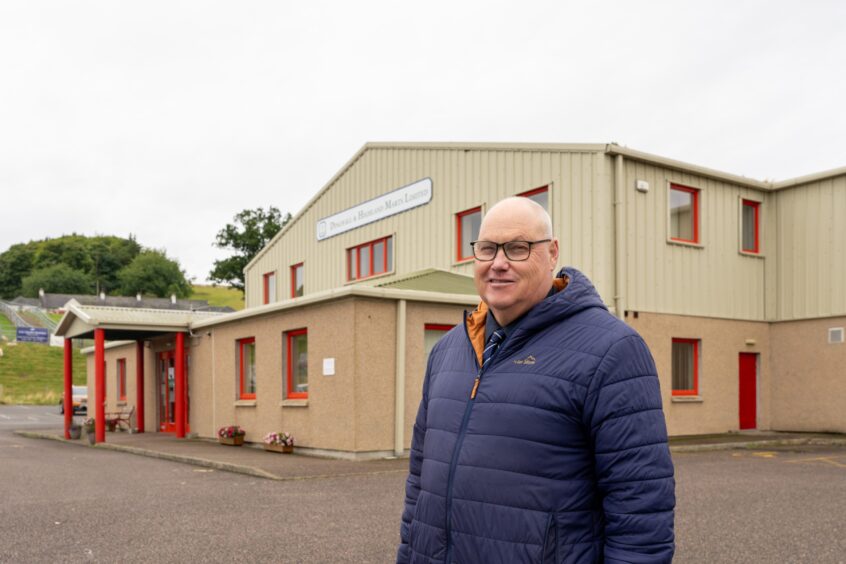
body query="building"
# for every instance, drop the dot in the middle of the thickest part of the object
(736, 285)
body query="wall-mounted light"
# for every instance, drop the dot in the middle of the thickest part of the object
(642, 186)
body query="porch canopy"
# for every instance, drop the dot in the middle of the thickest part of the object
(105, 323)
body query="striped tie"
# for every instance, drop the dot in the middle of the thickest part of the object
(493, 344)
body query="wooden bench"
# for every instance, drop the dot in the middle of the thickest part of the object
(120, 419)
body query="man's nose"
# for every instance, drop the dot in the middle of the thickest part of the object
(500, 261)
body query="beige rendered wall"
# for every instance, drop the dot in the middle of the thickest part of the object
(713, 279)
(324, 420)
(716, 409)
(812, 261)
(808, 376)
(581, 205)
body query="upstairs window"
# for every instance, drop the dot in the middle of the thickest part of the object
(370, 259)
(269, 293)
(467, 225)
(297, 280)
(247, 368)
(685, 367)
(121, 379)
(539, 195)
(296, 351)
(684, 214)
(750, 242)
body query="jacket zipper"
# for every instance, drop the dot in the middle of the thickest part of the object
(460, 440)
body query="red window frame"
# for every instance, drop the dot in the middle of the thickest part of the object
(437, 327)
(242, 394)
(695, 193)
(756, 207)
(294, 268)
(266, 286)
(121, 379)
(534, 192)
(354, 259)
(459, 234)
(289, 363)
(695, 390)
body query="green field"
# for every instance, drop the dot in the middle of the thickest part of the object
(219, 296)
(32, 373)
(6, 327)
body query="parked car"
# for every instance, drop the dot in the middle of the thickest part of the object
(79, 398)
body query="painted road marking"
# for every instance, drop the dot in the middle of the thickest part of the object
(764, 454)
(825, 459)
(5, 416)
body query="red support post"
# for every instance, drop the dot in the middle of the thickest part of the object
(180, 386)
(68, 407)
(100, 385)
(139, 388)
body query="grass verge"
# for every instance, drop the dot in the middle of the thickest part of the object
(33, 374)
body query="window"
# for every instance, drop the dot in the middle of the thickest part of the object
(539, 195)
(467, 225)
(370, 259)
(296, 350)
(297, 280)
(685, 367)
(432, 333)
(247, 368)
(269, 288)
(684, 214)
(121, 379)
(750, 242)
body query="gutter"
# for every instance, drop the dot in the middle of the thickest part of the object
(399, 382)
(619, 240)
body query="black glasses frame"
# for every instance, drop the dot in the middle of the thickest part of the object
(505, 249)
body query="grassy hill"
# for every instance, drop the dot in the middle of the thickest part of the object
(32, 373)
(219, 296)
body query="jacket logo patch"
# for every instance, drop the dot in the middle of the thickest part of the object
(528, 360)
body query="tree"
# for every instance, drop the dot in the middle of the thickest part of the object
(15, 265)
(110, 255)
(251, 231)
(152, 273)
(57, 279)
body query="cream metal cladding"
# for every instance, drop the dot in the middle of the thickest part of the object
(464, 176)
(712, 278)
(811, 255)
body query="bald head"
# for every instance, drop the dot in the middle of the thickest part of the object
(518, 210)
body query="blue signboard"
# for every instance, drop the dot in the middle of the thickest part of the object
(33, 335)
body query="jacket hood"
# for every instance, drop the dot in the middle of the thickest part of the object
(575, 294)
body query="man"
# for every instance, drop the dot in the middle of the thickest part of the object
(540, 436)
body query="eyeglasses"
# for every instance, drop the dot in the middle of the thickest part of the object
(514, 250)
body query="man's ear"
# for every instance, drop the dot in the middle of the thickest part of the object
(553, 254)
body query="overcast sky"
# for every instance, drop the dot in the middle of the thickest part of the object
(164, 119)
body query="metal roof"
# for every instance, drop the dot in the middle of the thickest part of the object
(80, 321)
(434, 280)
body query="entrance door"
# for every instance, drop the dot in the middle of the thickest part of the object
(748, 390)
(167, 392)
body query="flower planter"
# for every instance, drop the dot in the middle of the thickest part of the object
(75, 432)
(91, 438)
(287, 449)
(237, 440)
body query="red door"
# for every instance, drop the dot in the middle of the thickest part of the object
(748, 390)
(167, 396)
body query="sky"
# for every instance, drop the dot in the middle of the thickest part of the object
(163, 119)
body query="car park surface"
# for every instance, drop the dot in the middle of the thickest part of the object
(70, 503)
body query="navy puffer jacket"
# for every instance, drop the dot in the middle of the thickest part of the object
(562, 454)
